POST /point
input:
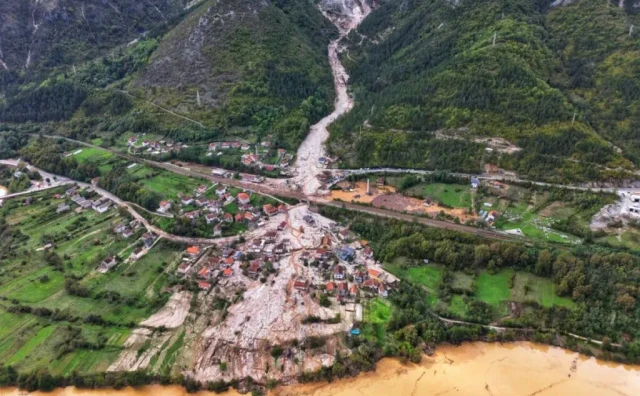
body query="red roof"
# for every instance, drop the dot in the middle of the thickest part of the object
(228, 260)
(193, 250)
(268, 208)
(227, 272)
(204, 285)
(373, 273)
(331, 286)
(243, 196)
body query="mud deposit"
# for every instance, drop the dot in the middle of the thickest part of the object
(470, 369)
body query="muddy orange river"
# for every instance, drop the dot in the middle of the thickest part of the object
(470, 369)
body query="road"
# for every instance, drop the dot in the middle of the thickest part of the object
(61, 180)
(318, 200)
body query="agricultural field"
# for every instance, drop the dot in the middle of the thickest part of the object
(496, 290)
(453, 195)
(56, 310)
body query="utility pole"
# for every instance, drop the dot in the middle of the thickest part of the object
(495, 35)
(630, 30)
(198, 97)
(574, 118)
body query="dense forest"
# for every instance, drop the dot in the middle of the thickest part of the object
(559, 82)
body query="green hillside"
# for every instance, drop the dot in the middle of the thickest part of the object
(427, 66)
(246, 68)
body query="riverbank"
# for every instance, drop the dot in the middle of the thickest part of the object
(519, 368)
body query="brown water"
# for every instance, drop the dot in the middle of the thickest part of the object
(471, 369)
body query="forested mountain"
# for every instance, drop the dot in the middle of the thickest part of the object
(251, 66)
(516, 69)
(251, 63)
(47, 33)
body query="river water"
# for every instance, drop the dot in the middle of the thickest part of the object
(471, 369)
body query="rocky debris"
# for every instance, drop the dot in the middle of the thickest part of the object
(173, 314)
(139, 350)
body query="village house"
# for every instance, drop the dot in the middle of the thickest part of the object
(210, 218)
(228, 218)
(201, 189)
(139, 252)
(165, 207)
(102, 208)
(227, 252)
(192, 215)
(320, 254)
(213, 146)
(270, 210)
(270, 236)
(243, 198)
(148, 239)
(344, 234)
(359, 276)
(225, 145)
(221, 190)
(257, 245)
(193, 251)
(236, 144)
(227, 273)
(301, 285)
(346, 253)
(282, 226)
(280, 249)
(254, 268)
(343, 289)
(227, 262)
(374, 274)
(245, 147)
(370, 284)
(127, 233)
(282, 208)
(339, 272)
(213, 262)
(382, 290)
(71, 191)
(63, 207)
(330, 287)
(119, 228)
(184, 268)
(239, 217)
(353, 291)
(201, 201)
(108, 263)
(186, 200)
(217, 230)
(132, 140)
(204, 285)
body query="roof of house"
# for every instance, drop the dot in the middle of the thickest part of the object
(243, 196)
(227, 272)
(373, 273)
(193, 250)
(330, 286)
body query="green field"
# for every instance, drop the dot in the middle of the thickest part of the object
(127, 294)
(454, 195)
(493, 289)
(169, 185)
(429, 275)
